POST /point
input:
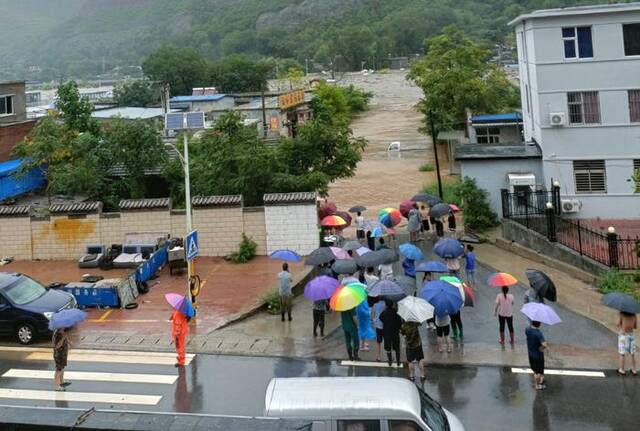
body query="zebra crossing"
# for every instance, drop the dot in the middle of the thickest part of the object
(96, 374)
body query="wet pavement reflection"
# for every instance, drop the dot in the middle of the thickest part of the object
(484, 398)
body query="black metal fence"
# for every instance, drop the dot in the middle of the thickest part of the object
(532, 210)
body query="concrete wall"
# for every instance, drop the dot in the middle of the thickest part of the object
(219, 228)
(254, 227)
(17, 91)
(548, 77)
(11, 134)
(508, 134)
(491, 175)
(294, 227)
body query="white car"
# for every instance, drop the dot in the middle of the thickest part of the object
(357, 404)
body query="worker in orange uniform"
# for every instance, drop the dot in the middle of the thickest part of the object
(179, 331)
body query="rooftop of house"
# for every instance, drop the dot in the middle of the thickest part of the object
(130, 113)
(578, 10)
(488, 152)
(198, 98)
(512, 117)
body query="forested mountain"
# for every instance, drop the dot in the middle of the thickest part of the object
(75, 37)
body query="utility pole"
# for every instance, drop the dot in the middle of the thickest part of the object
(191, 270)
(432, 128)
(264, 117)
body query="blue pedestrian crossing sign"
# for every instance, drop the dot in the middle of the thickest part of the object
(191, 245)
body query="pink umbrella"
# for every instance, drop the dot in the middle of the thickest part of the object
(340, 253)
(405, 207)
(454, 208)
(180, 303)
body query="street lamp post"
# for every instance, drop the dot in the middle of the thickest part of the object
(432, 128)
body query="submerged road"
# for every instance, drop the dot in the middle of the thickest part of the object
(484, 398)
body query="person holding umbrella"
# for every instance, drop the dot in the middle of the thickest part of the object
(359, 226)
(504, 311)
(285, 291)
(182, 314)
(414, 352)
(536, 345)
(61, 345)
(414, 223)
(424, 217)
(60, 324)
(391, 324)
(627, 324)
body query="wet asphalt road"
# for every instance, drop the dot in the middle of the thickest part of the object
(484, 398)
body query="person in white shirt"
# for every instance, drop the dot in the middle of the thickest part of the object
(359, 226)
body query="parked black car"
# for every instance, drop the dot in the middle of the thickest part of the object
(26, 306)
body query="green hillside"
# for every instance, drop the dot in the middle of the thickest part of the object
(74, 37)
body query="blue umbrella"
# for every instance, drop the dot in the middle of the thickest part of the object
(444, 297)
(66, 318)
(378, 231)
(432, 266)
(411, 251)
(448, 248)
(286, 255)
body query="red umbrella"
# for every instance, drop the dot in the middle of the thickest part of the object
(405, 207)
(333, 221)
(500, 279)
(344, 215)
(326, 209)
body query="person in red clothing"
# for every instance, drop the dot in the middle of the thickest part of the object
(179, 331)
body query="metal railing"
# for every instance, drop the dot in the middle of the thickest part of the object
(530, 210)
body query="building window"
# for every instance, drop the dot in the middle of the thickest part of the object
(631, 36)
(6, 105)
(577, 42)
(590, 176)
(584, 107)
(634, 106)
(488, 135)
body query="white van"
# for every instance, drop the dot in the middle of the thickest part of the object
(357, 404)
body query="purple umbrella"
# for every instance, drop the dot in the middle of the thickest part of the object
(180, 303)
(321, 287)
(66, 318)
(540, 313)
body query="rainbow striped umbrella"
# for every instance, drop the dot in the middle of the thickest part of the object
(389, 217)
(333, 221)
(348, 297)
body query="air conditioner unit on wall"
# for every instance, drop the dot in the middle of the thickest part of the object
(557, 119)
(570, 205)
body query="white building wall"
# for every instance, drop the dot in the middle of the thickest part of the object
(550, 77)
(293, 227)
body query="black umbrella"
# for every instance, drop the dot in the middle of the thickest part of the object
(427, 198)
(320, 256)
(621, 302)
(344, 266)
(439, 210)
(407, 283)
(387, 289)
(357, 209)
(379, 257)
(542, 284)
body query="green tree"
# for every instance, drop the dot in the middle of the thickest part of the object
(136, 93)
(240, 73)
(181, 68)
(74, 110)
(295, 77)
(455, 75)
(478, 215)
(136, 147)
(333, 101)
(65, 146)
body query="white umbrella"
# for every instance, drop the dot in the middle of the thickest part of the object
(413, 309)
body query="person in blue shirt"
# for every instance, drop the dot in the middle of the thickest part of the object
(536, 345)
(470, 267)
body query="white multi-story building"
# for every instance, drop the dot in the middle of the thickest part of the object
(580, 87)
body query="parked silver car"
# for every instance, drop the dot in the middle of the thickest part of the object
(358, 404)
